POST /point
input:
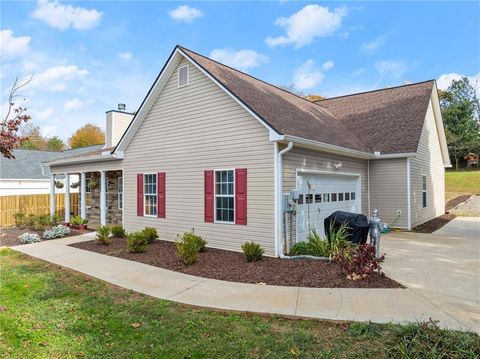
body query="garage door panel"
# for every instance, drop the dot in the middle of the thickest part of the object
(319, 196)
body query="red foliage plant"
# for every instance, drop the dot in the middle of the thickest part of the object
(358, 261)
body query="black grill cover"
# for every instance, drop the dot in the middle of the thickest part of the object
(357, 231)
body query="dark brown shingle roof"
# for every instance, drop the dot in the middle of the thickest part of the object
(285, 112)
(388, 120)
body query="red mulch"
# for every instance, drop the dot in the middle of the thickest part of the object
(10, 236)
(437, 223)
(232, 266)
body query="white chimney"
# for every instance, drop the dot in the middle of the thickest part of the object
(117, 123)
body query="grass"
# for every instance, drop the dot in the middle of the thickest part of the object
(50, 312)
(458, 183)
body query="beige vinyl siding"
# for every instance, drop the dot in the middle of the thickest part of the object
(429, 162)
(300, 158)
(388, 190)
(187, 131)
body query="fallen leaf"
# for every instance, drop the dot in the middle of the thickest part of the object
(26, 286)
(136, 325)
(261, 283)
(2, 309)
(43, 344)
(293, 352)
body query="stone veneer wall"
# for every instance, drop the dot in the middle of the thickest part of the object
(114, 214)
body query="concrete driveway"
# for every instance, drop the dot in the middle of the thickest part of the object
(443, 267)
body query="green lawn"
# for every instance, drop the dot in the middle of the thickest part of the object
(49, 312)
(461, 182)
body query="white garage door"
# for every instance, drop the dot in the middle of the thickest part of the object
(322, 194)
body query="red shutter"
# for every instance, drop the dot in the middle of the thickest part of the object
(241, 196)
(161, 195)
(140, 194)
(209, 196)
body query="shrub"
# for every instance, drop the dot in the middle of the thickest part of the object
(137, 242)
(253, 251)
(187, 248)
(319, 247)
(56, 232)
(77, 220)
(55, 220)
(103, 235)
(28, 238)
(198, 240)
(19, 218)
(150, 234)
(118, 231)
(41, 222)
(358, 261)
(29, 221)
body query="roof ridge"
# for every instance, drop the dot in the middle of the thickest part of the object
(376, 90)
(244, 73)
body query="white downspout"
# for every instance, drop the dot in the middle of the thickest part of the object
(278, 198)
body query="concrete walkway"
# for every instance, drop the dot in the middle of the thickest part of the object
(461, 227)
(376, 305)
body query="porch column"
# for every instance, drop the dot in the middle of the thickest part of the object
(103, 199)
(67, 197)
(83, 196)
(52, 195)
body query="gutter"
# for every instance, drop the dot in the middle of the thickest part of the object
(278, 197)
(98, 158)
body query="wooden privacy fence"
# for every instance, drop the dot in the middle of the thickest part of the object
(34, 204)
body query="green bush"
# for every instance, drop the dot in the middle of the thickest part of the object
(150, 234)
(319, 247)
(137, 242)
(118, 231)
(29, 221)
(198, 240)
(55, 220)
(77, 220)
(103, 235)
(41, 222)
(187, 248)
(19, 218)
(252, 251)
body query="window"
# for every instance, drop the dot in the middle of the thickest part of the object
(347, 196)
(340, 196)
(224, 196)
(120, 192)
(326, 197)
(318, 198)
(334, 197)
(150, 194)
(300, 199)
(309, 198)
(183, 76)
(352, 196)
(424, 191)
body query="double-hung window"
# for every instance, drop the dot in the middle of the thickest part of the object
(224, 196)
(120, 192)
(150, 194)
(424, 191)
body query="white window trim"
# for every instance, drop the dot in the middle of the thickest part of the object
(425, 191)
(120, 180)
(215, 196)
(144, 195)
(188, 76)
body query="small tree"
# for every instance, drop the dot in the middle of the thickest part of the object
(34, 139)
(87, 135)
(10, 124)
(55, 143)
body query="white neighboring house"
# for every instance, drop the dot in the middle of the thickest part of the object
(26, 174)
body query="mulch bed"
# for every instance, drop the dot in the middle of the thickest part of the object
(10, 236)
(437, 223)
(232, 266)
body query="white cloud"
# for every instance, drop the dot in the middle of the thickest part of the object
(42, 114)
(309, 74)
(241, 59)
(185, 13)
(125, 55)
(307, 24)
(372, 45)
(11, 46)
(391, 70)
(73, 104)
(446, 79)
(358, 72)
(63, 17)
(54, 78)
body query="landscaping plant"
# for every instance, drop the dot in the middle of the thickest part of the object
(319, 247)
(358, 261)
(78, 221)
(150, 234)
(56, 232)
(187, 248)
(41, 222)
(28, 238)
(199, 241)
(118, 231)
(252, 251)
(19, 218)
(55, 220)
(103, 235)
(137, 242)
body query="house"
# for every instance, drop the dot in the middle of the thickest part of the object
(217, 150)
(25, 174)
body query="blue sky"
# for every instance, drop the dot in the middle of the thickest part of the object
(88, 56)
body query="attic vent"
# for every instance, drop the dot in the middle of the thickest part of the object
(183, 76)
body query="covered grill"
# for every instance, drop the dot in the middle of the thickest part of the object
(357, 225)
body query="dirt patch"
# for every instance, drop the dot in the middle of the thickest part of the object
(456, 201)
(434, 224)
(232, 266)
(10, 236)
